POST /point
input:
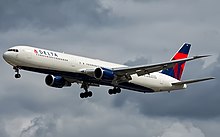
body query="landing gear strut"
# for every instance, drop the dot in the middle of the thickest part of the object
(115, 90)
(87, 93)
(17, 75)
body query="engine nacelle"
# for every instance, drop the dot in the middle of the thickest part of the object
(56, 81)
(104, 74)
(89, 72)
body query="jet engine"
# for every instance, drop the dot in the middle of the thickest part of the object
(104, 74)
(56, 81)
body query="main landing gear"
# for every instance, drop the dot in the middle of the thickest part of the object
(17, 75)
(115, 90)
(87, 93)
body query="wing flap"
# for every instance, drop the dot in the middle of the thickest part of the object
(192, 81)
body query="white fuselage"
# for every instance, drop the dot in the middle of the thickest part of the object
(41, 59)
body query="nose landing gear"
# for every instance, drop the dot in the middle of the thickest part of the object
(17, 75)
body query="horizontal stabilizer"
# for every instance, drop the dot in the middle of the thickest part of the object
(192, 81)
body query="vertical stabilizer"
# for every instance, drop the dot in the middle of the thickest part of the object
(177, 70)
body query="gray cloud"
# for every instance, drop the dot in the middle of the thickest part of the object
(179, 129)
(2, 129)
(40, 127)
(51, 14)
(138, 61)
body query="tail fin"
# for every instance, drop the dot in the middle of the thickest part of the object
(177, 70)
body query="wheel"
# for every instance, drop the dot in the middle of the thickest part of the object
(82, 95)
(114, 91)
(110, 91)
(17, 75)
(89, 94)
(118, 90)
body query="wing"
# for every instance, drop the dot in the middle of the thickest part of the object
(142, 70)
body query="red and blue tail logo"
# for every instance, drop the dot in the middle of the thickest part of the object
(177, 70)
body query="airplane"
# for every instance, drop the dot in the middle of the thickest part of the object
(64, 69)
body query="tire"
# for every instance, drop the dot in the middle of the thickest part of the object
(17, 75)
(82, 95)
(110, 91)
(89, 94)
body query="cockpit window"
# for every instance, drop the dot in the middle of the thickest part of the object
(14, 50)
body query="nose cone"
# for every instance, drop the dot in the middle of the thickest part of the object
(5, 56)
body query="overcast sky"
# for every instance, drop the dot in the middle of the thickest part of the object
(131, 32)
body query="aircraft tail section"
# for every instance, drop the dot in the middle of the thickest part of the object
(177, 70)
